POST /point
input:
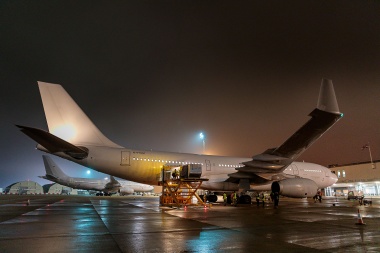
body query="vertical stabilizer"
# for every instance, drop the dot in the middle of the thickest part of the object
(52, 168)
(66, 119)
(113, 180)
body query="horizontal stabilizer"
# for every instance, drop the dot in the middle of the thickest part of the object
(52, 143)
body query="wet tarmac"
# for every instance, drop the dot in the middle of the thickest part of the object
(138, 224)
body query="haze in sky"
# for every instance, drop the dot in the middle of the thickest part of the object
(154, 74)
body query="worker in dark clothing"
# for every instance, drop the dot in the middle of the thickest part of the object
(262, 198)
(258, 199)
(174, 174)
(276, 198)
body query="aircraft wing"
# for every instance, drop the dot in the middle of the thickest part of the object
(53, 143)
(274, 161)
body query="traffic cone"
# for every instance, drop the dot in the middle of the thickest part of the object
(360, 219)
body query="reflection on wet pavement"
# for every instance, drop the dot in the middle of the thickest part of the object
(139, 224)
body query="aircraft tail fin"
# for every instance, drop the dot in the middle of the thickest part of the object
(52, 169)
(113, 180)
(66, 119)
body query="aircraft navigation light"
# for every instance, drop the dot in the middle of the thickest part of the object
(66, 132)
(88, 172)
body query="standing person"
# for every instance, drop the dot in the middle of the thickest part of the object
(271, 196)
(262, 197)
(276, 197)
(235, 199)
(173, 174)
(205, 198)
(225, 198)
(258, 199)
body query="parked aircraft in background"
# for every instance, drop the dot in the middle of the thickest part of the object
(73, 136)
(103, 186)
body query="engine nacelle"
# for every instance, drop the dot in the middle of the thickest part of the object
(295, 187)
(126, 190)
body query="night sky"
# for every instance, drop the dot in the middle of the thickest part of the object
(153, 74)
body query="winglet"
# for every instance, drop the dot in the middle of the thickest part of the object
(327, 101)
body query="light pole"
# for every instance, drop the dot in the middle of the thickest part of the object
(201, 135)
(370, 154)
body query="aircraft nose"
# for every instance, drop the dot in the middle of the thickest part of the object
(334, 178)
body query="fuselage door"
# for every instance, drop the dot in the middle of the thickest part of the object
(208, 165)
(125, 158)
(295, 170)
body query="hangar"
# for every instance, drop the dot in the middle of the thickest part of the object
(363, 178)
(58, 189)
(24, 187)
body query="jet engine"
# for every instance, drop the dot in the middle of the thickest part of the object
(126, 190)
(295, 187)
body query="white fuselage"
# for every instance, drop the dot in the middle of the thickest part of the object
(102, 184)
(146, 166)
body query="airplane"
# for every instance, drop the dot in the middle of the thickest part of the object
(73, 136)
(103, 186)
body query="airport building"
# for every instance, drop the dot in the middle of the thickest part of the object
(24, 187)
(361, 178)
(58, 189)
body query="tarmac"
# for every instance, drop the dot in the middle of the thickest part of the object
(139, 224)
